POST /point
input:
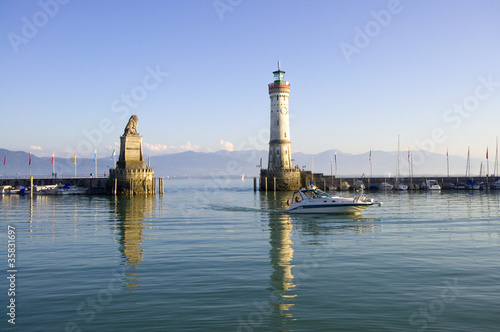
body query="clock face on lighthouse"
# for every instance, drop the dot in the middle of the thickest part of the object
(284, 110)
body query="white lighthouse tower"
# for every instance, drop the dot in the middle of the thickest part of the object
(280, 174)
(280, 155)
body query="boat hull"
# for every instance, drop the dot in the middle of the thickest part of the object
(354, 208)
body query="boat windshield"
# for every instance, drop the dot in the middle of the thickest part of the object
(315, 193)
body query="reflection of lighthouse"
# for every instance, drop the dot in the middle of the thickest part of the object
(281, 254)
(280, 153)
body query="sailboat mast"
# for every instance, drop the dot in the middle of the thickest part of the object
(312, 170)
(496, 160)
(467, 168)
(409, 167)
(331, 169)
(447, 163)
(397, 168)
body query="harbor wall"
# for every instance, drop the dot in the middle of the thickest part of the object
(321, 181)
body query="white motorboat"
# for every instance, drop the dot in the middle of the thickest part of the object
(496, 185)
(432, 185)
(317, 201)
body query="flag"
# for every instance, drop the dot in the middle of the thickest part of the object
(95, 154)
(370, 155)
(74, 159)
(30, 160)
(335, 156)
(486, 153)
(113, 154)
(4, 159)
(52, 158)
(408, 153)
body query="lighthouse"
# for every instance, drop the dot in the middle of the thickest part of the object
(280, 155)
(280, 174)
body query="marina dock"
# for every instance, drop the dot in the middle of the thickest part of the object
(95, 185)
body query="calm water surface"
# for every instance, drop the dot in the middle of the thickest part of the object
(212, 255)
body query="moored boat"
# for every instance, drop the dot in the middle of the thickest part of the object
(17, 190)
(400, 185)
(4, 189)
(385, 186)
(359, 185)
(472, 185)
(69, 189)
(45, 189)
(432, 185)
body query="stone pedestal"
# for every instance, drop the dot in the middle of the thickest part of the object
(131, 173)
(131, 152)
(286, 179)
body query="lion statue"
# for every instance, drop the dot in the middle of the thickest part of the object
(131, 127)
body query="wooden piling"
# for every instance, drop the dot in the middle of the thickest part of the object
(254, 184)
(160, 185)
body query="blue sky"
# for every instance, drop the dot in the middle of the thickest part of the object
(196, 74)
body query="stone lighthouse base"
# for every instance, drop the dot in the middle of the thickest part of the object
(286, 179)
(132, 181)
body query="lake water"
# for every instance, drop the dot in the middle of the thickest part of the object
(212, 255)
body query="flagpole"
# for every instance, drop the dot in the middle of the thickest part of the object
(53, 167)
(74, 161)
(95, 162)
(30, 165)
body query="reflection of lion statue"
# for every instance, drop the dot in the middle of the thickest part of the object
(131, 127)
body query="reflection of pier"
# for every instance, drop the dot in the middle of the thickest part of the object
(131, 213)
